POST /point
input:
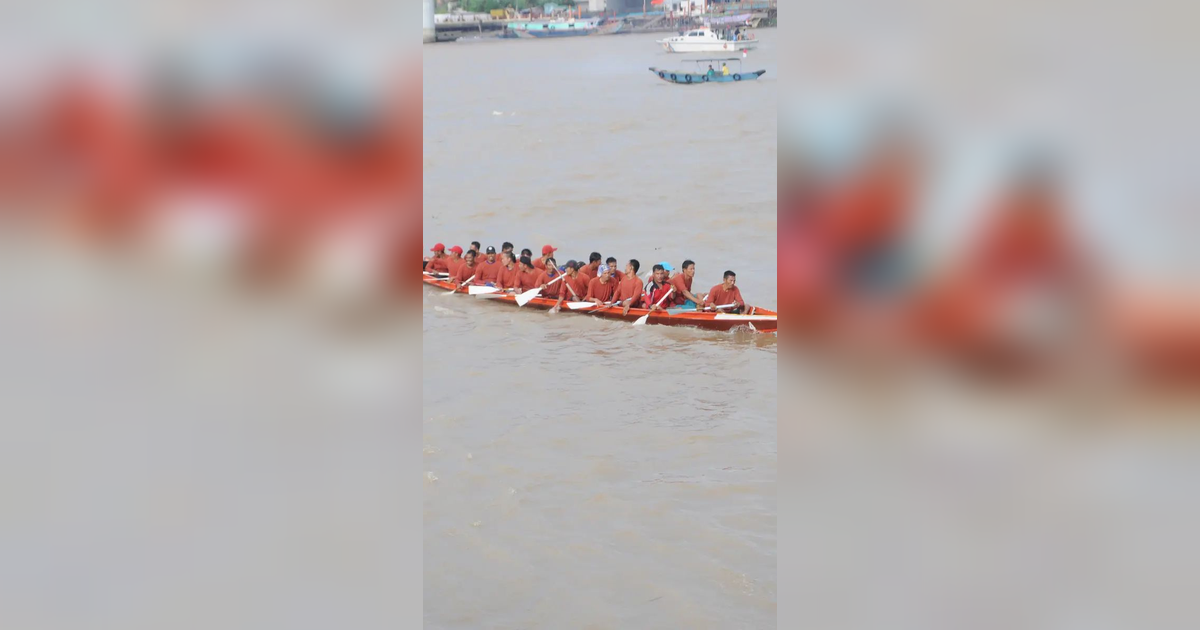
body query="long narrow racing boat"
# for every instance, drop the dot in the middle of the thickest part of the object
(756, 319)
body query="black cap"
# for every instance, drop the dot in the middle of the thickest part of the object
(525, 261)
(491, 250)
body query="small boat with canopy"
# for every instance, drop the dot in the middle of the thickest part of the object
(711, 75)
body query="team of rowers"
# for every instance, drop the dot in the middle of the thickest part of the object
(598, 281)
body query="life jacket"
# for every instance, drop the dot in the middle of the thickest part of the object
(654, 293)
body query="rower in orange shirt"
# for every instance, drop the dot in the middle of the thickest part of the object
(555, 291)
(865, 219)
(468, 270)
(601, 289)
(455, 260)
(526, 275)
(1027, 238)
(1022, 287)
(438, 263)
(726, 293)
(682, 281)
(612, 264)
(506, 278)
(547, 254)
(576, 283)
(629, 290)
(489, 270)
(592, 269)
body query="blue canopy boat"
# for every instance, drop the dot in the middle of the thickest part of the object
(702, 76)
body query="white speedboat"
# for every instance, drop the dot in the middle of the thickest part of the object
(706, 40)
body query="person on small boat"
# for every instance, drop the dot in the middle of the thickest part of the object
(576, 283)
(592, 269)
(475, 247)
(547, 255)
(455, 260)
(506, 278)
(612, 264)
(711, 73)
(489, 269)
(682, 281)
(657, 288)
(629, 290)
(602, 288)
(724, 69)
(468, 270)
(526, 276)
(437, 264)
(726, 293)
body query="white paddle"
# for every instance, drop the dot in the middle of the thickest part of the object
(456, 289)
(730, 305)
(525, 297)
(572, 290)
(480, 290)
(607, 306)
(576, 306)
(641, 321)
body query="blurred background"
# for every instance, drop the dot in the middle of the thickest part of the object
(1006, 188)
(988, 386)
(206, 382)
(989, 379)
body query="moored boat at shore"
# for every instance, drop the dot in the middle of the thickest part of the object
(705, 39)
(543, 29)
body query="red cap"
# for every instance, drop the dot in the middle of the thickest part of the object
(547, 250)
(438, 248)
(456, 249)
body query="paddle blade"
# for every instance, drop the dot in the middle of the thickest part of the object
(641, 321)
(476, 290)
(575, 306)
(525, 297)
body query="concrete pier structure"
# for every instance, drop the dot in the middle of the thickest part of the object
(428, 32)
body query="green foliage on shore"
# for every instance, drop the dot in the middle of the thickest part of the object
(484, 6)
